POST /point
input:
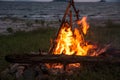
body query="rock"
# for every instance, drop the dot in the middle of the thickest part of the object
(19, 72)
(25, 72)
(29, 74)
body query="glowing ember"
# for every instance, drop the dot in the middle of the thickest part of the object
(72, 42)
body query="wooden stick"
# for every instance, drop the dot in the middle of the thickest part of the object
(71, 18)
(77, 16)
(63, 20)
(64, 59)
(65, 14)
(76, 11)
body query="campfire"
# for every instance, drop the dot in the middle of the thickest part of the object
(70, 48)
(71, 41)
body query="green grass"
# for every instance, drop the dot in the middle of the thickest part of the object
(25, 42)
(105, 35)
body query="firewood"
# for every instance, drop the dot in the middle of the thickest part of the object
(64, 59)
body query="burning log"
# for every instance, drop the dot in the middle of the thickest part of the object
(64, 59)
(71, 4)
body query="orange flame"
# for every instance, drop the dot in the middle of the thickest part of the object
(72, 42)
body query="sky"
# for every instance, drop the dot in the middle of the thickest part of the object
(52, 0)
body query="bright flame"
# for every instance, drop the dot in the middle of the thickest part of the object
(72, 42)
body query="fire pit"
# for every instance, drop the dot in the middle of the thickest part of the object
(70, 45)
